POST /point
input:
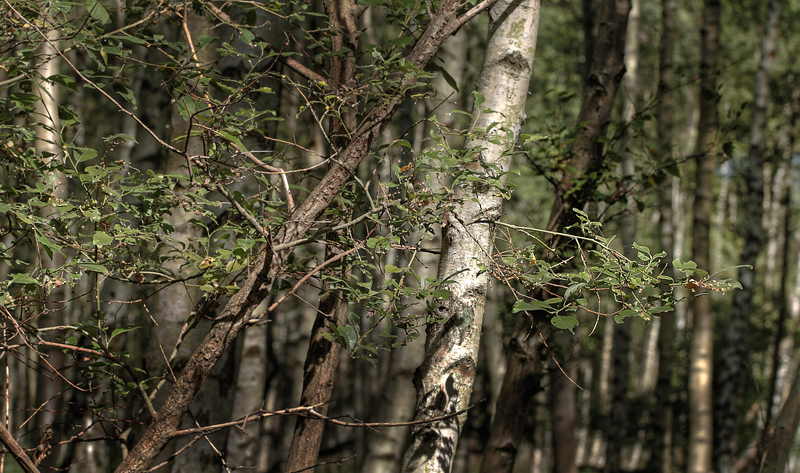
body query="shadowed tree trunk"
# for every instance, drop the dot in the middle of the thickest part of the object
(600, 89)
(661, 448)
(444, 380)
(733, 360)
(616, 430)
(774, 453)
(701, 358)
(319, 370)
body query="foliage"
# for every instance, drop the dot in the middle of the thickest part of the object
(76, 213)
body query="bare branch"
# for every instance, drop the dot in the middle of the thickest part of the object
(16, 451)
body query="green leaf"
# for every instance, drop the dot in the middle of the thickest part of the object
(101, 239)
(564, 322)
(94, 267)
(84, 154)
(66, 81)
(393, 269)
(520, 306)
(348, 334)
(121, 330)
(479, 99)
(22, 278)
(98, 12)
(22, 99)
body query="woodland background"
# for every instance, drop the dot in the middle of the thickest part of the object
(221, 222)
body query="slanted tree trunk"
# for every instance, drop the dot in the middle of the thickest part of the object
(774, 453)
(701, 357)
(444, 380)
(265, 269)
(523, 374)
(733, 360)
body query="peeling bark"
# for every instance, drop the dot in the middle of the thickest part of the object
(444, 380)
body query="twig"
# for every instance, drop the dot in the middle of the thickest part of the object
(336, 462)
(314, 271)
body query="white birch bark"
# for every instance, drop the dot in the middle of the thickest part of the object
(444, 380)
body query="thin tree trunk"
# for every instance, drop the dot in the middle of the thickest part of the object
(319, 370)
(562, 408)
(701, 363)
(444, 380)
(733, 360)
(661, 448)
(616, 431)
(599, 92)
(783, 293)
(319, 374)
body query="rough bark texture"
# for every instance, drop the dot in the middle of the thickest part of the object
(701, 373)
(319, 374)
(16, 451)
(444, 380)
(236, 313)
(319, 369)
(733, 360)
(521, 383)
(661, 448)
(599, 92)
(774, 454)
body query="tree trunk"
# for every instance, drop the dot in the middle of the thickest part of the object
(562, 407)
(322, 360)
(701, 357)
(444, 380)
(775, 452)
(521, 382)
(319, 374)
(783, 292)
(616, 431)
(661, 449)
(599, 92)
(733, 360)
(600, 89)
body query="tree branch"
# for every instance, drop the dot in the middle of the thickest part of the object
(16, 451)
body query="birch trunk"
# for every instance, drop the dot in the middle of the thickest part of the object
(701, 356)
(733, 359)
(444, 380)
